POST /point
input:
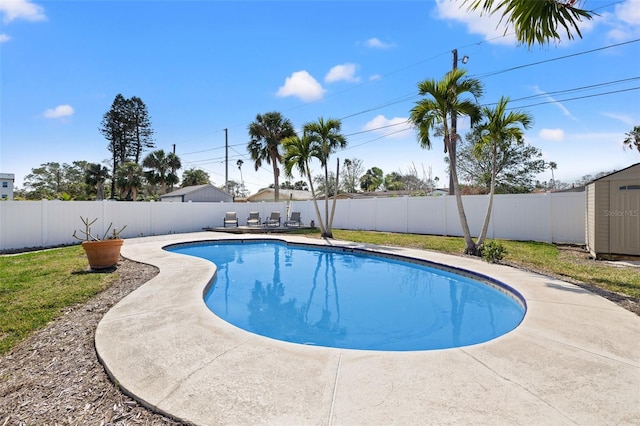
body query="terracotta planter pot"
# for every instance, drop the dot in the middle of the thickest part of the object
(102, 254)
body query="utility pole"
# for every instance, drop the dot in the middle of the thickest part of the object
(453, 133)
(226, 160)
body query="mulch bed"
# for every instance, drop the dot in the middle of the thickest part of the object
(54, 377)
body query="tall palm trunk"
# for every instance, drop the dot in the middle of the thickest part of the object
(487, 217)
(276, 181)
(327, 233)
(335, 197)
(315, 201)
(470, 245)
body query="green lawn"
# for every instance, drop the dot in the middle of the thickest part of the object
(35, 287)
(541, 257)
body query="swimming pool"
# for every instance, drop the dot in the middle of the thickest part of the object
(352, 299)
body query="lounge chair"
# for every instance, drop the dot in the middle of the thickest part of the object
(253, 219)
(294, 220)
(230, 218)
(273, 220)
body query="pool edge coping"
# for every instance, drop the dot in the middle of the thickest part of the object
(160, 406)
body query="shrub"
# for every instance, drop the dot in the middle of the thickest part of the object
(492, 251)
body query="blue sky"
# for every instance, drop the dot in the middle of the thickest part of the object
(203, 66)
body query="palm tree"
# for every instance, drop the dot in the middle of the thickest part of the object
(552, 166)
(432, 114)
(633, 138)
(298, 152)
(266, 134)
(163, 167)
(327, 136)
(193, 177)
(95, 176)
(536, 21)
(499, 130)
(129, 180)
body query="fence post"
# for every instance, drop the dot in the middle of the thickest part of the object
(43, 220)
(549, 205)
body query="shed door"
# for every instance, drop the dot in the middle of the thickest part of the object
(624, 220)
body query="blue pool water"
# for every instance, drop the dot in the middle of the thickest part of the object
(328, 297)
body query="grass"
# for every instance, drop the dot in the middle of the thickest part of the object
(36, 287)
(540, 257)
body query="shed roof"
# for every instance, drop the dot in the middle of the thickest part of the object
(606, 177)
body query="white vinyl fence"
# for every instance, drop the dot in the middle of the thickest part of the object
(550, 217)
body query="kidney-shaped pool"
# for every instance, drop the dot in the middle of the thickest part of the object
(353, 299)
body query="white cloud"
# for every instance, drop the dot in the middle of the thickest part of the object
(344, 72)
(303, 86)
(626, 119)
(4, 38)
(376, 43)
(486, 25)
(21, 9)
(59, 111)
(375, 77)
(628, 12)
(391, 127)
(555, 135)
(625, 21)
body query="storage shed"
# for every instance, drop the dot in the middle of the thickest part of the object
(613, 214)
(197, 194)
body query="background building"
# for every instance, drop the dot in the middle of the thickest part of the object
(6, 186)
(197, 194)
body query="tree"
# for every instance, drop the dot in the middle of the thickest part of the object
(444, 99)
(394, 182)
(127, 128)
(332, 189)
(372, 179)
(536, 21)
(300, 185)
(114, 128)
(192, 177)
(298, 153)
(95, 176)
(327, 138)
(129, 180)
(633, 139)
(140, 123)
(239, 163)
(413, 182)
(516, 166)
(499, 130)
(553, 166)
(351, 173)
(162, 169)
(266, 134)
(57, 181)
(234, 188)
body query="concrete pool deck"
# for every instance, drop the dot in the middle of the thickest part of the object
(575, 359)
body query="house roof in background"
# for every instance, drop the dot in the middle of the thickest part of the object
(190, 189)
(285, 194)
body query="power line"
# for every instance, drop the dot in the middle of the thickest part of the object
(580, 97)
(491, 74)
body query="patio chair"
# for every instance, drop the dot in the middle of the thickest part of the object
(273, 220)
(253, 219)
(294, 219)
(230, 218)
